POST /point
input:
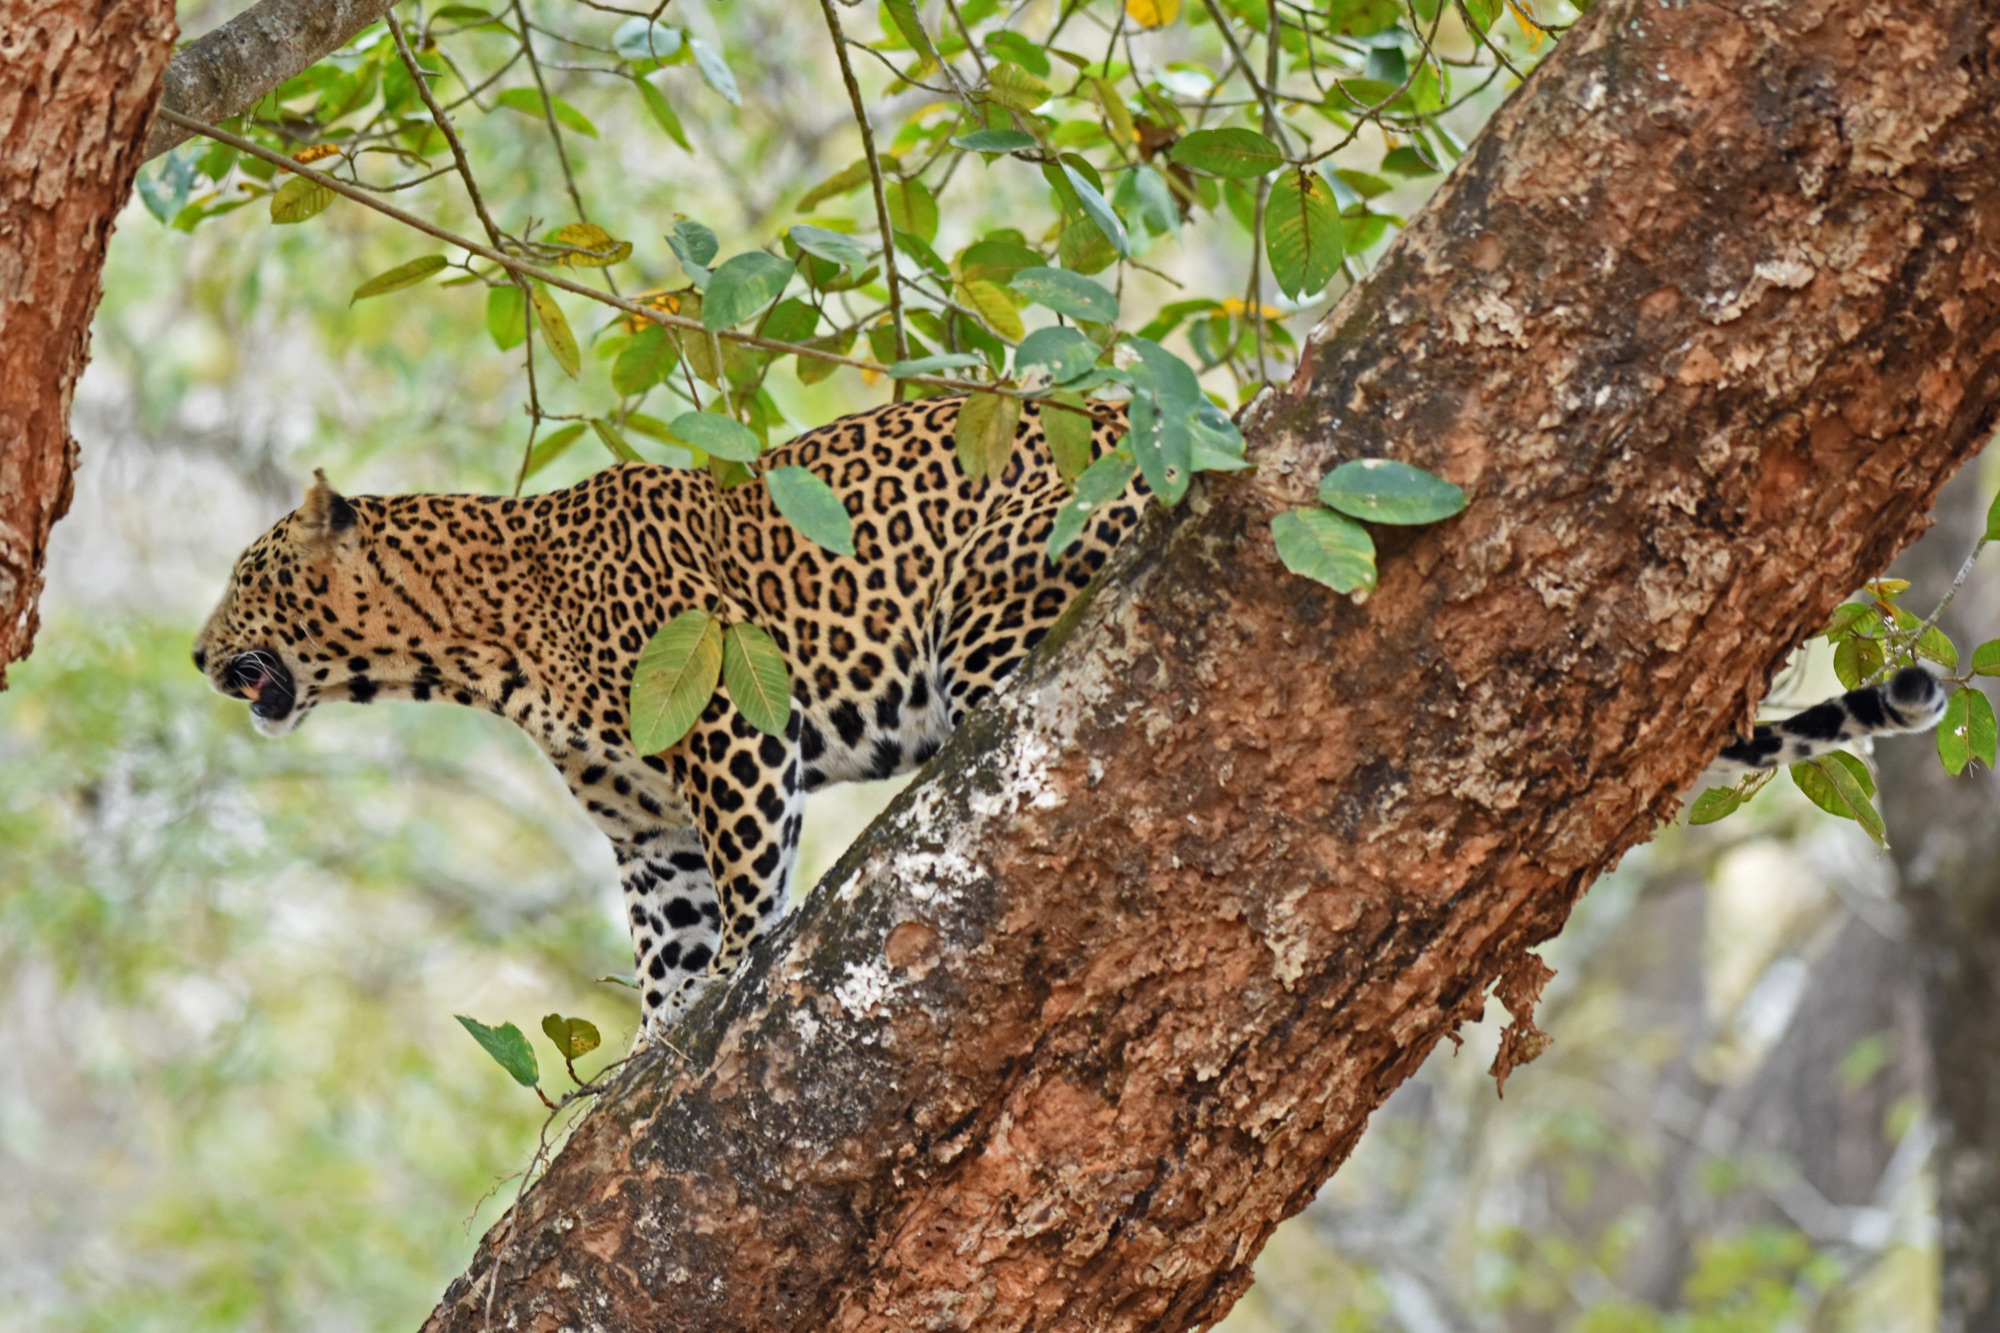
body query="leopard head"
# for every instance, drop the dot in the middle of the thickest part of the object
(303, 615)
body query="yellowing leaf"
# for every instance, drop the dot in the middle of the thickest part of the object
(298, 199)
(399, 277)
(758, 680)
(676, 676)
(1153, 13)
(996, 306)
(985, 433)
(555, 331)
(604, 250)
(314, 152)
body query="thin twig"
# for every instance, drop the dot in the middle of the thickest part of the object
(548, 110)
(1272, 126)
(875, 177)
(449, 131)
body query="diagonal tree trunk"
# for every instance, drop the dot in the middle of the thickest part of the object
(78, 80)
(1703, 322)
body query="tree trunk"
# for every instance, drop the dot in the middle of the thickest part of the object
(78, 79)
(1945, 834)
(1702, 323)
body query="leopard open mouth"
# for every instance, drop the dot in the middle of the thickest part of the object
(262, 677)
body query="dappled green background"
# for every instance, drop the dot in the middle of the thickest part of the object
(235, 1095)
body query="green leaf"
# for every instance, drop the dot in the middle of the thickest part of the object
(646, 39)
(1986, 658)
(551, 447)
(298, 199)
(1068, 434)
(509, 1049)
(646, 360)
(605, 250)
(758, 681)
(676, 676)
(1235, 153)
(831, 246)
(1098, 209)
(1015, 88)
(993, 141)
(742, 287)
(528, 102)
(812, 507)
(663, 112)
(995, 304)
(1302, 233)
(1326, 547)
(1067, 293)
(1167, 403)
(1838, 783)
(573, 1037)
(1063, 353)
(715, 70)
(914, 209)
(1993, 520)
(615, 441)
(1934, 644)
(903, 13)
(399, 277)
(1714, 804)
(673, 451)
(1013, 46)
(984, 433)
(1968, 731)
(693, 244)
(1098, 484)
(718, 435)
(506, 316)
(931, 365)
(1382, 490)
(1855, 660)
(1850, 618)
(555, 330)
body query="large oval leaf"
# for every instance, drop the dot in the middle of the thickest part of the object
(556, 335)
(1382, 490)
(1302, 233)
(1063, 353)
(676, 677)
(759, 682)
(984, 433)
(1235, 153)
(811, 506)
(717, 435)
(509, 1049)
(1326, 547)
(1067, 293)
(744, 285)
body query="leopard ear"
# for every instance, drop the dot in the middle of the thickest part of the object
(324, 514)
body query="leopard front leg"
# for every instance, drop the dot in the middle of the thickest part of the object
(747, 792)
(676, 922)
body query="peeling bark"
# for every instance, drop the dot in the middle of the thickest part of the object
(1702, 323)
(78, 79)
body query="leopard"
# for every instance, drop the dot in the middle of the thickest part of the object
(536, 608)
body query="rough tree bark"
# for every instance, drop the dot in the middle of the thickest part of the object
(1703, 322)
(1946, 842)
(78, 79)
(225, 71)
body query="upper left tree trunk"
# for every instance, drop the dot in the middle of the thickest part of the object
(78, 80)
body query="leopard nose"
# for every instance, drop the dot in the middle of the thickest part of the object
(200, 660)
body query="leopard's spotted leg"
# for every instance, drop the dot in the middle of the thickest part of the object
(676, 925)
(747, 792)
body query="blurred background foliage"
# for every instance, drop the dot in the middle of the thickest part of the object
(228, 967)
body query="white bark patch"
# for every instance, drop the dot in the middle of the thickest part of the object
(865, 989)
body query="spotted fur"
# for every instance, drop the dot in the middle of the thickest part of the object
(537, 608)
(1911, 700)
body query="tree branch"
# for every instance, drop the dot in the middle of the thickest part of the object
(1117, 986)
(225, 71)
